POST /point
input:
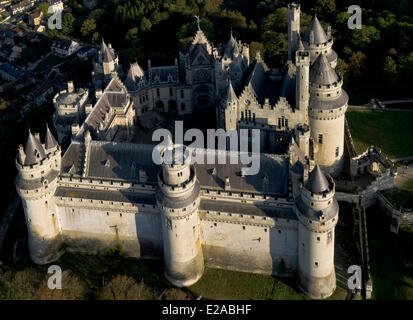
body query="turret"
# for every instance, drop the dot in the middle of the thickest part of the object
(178, 197)
(317, 212)
(293, 16)
(316, 41)
(302, 92)
(227, 117)
(38, 168)
(327, 107)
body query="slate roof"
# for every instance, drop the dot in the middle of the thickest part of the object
(319, 33)
(34, 151)
(50, 141)
(230, 95)
(248, 209)
(263, 87)
(163, 73)
(122, 161)
(231, 48)
(322, 73)
(317, 182)
(61, 43)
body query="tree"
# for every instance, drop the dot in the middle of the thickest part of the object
(325, 6)
(88, 27)
(406, 67)
(343, 68)
(146, 25)
(68, 24)
(97, 14)
(363, 37)
(254, 48)
(276, 21)
(95, 37)
(357, 65)
(390, 71)
(275, 48)
(123, 287)
(72, 288)
(132, 34)
(176, 294)
(43, 7)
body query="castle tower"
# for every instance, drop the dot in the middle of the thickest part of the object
(227, 113)
(293, 16)
(328, 104)
(302, 84)
(178, 197)
(317, 212)
(38, 168)
(316, 41)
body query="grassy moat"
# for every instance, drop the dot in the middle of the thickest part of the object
(391, 258)
(116, 277)
(390, 131)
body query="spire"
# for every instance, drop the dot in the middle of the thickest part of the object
(322, 73)
(197, 21)
(50, 140)
(105, 51)
(34, 150)
(231, 48)
(317, 183)
(230, 95)
(318, 31)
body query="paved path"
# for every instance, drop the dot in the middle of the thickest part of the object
(403, 175)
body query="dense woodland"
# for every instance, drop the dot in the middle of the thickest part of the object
(380, 52)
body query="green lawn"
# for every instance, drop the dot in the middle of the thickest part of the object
(389, 130)
(220, 284)
(391, 258)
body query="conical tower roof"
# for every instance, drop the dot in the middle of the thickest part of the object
(321, 72)
(231, 48)
(34, 151)
(319, 33)
(50, 140)
(230, 94)
(317, 183)
(105, 51)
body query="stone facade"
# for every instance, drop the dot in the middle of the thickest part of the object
(107, 191)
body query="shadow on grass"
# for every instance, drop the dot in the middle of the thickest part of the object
(391, 258)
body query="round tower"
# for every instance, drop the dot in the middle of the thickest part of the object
(178, 197)
(327, 107)
(317, 212)
(38, 168)
(316, 41)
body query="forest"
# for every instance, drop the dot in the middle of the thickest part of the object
(380, 53)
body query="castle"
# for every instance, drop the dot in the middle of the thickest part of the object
(105, 190)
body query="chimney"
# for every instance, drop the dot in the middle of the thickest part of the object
(37, 136)
(75, 128)
(227, 184)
